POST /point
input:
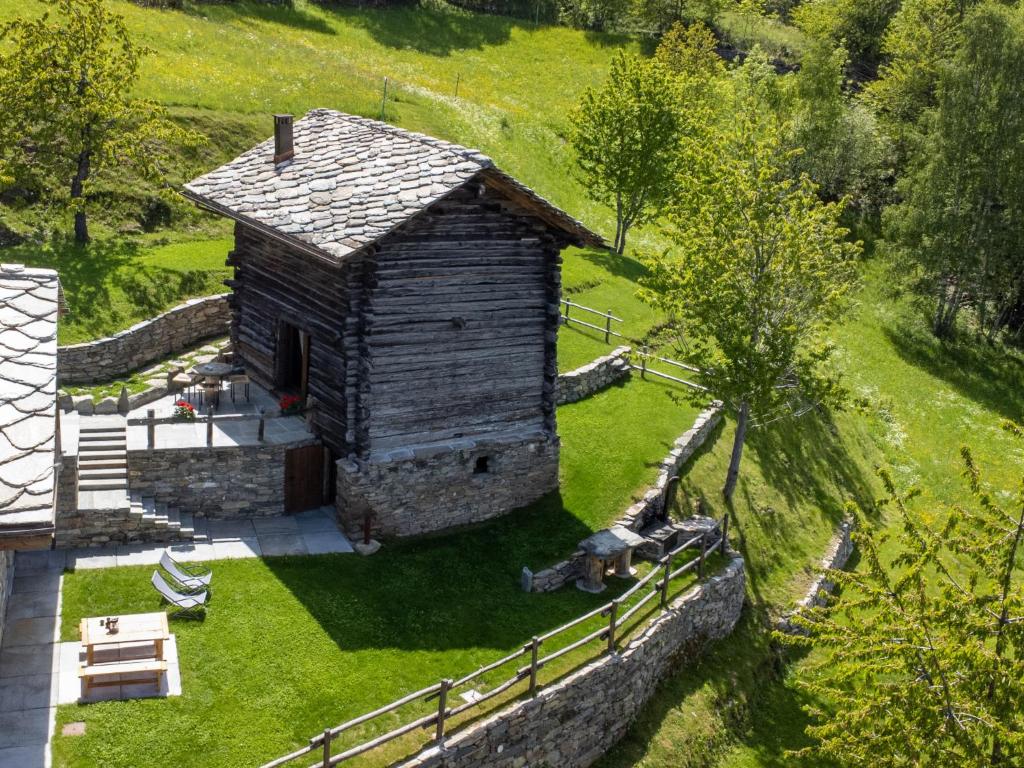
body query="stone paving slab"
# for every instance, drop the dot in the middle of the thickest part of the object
(43, 581)
(33, 604)
(222, 530)
(69, 685)
(233, 549)
(27, 692)
(275, 525)
(92, 557)
(138, 554)
(39, 630)
(277, 544)
(326, 543)
(25, 757)
(19, 660)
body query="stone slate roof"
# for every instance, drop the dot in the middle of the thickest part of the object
(29, 304)
(352, 181)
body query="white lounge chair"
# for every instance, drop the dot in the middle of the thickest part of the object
(188, 606)
(192, 578)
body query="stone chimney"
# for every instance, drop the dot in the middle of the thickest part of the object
(284, 148)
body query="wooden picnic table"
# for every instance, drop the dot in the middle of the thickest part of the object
(135, 629)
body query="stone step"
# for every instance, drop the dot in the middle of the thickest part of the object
(93, 472)
(103, 445)
(92, 437)
(87, 467)
(90, 430)
(101, 456)
(117, 484)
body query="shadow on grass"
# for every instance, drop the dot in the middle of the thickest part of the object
(445, 591)
(992, 376)
(433, 31)
(617, 264)
(284, 14)
(739, 683)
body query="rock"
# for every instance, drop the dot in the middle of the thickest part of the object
(366, 549)
(65, 402)
(83, 404)
(107, 406)
(123, 405)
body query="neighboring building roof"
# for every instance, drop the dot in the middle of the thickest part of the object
(29, 305)
(352, 181)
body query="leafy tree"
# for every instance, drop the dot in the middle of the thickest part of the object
(660, 15)
(65, 84)
(961, 219)
(599, 15)
(924, 650)
(691, 51)
(858, 25)
(842, 149)
(626, 138)
(758, 270)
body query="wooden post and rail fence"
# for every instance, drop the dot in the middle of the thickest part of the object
(644, 354)
(151, 422)
(616, 614)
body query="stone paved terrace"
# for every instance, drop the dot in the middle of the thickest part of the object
(30, 658)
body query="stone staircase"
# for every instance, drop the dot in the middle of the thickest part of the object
(102, 456)
(152, 522)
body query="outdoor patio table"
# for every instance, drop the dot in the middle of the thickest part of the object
(134, 629)
(213, 373)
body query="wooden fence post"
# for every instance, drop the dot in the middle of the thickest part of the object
(703, 550)
(613, 614)
(608, 327)
(725, 533)
(151, 429)
(263, 423)
(442, 708)
(209, 427)
(664, 582)
(567, 308)
(534, 651)
(327, 748)
(643, 365)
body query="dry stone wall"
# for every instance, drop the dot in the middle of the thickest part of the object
(216, 482)
(838, 553)
(417, 490)
(145, 342)
(594, 376)
(6, 585)
(637, 516)
(572, 723)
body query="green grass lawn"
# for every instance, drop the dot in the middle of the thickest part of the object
(293, 644)
(111, 285)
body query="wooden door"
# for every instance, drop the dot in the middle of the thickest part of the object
(303, 478)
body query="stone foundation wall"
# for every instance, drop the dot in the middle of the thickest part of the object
(572, 723)
(839, 550)
(6, 585)
(216, 482)
(177, 329)
(594, 376)
(637, 516)
(417, 491)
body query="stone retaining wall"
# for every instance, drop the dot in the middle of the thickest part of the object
(839, 550)
(573, 722)
(637, 516)
(6, 585)
(216, 482)
(414, 491)
(594, 376)
(115, 356)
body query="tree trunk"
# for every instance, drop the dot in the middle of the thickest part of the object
(81, 174)
(620, 226)
(737, 452)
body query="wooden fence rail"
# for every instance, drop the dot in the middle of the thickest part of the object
(608, 318)
(645, 369)
(658, 580)
(151, 422)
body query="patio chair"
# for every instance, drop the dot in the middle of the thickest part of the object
(239, 380)
(188, 606)
(192, 578)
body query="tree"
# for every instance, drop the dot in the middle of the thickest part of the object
(599, 15)
(660, 15)
(65, 89)
(758, 270)
(626, 138)
(842, 148)
(962, 213)
(690, 51)
(924, 651)
(858, 25)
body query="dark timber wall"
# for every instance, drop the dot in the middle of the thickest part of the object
(443, 330)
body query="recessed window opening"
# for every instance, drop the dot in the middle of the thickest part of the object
(482, 466)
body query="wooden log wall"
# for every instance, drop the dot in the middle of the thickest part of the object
(275, 283)
(459, 325)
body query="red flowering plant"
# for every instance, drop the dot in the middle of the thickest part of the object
(184, 411)
(290, 404)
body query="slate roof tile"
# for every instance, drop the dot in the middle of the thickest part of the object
(347, 171)
(29, 304)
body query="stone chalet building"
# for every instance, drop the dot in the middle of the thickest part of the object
(408, 291)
